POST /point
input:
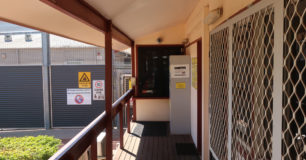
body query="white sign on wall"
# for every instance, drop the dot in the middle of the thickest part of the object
(98, 90)
(78, 96)
(179, 71)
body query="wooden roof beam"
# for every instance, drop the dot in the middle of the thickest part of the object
(85, 13)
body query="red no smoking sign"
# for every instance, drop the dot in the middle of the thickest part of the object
(98, 84)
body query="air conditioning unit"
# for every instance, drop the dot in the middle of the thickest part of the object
(101, 145)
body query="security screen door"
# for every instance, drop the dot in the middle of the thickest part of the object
(257, 83)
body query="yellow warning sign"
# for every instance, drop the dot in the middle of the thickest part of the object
(180, 85)
(84, 79)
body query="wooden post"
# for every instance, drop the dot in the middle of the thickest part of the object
(199, 94)
(93, 149)
(121, 125)
(108, 91)
(128, 119)
(134, 75)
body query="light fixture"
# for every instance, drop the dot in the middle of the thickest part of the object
(28, 37)
(213, 16)
(7, 38)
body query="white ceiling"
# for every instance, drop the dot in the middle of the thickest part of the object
(138, 18)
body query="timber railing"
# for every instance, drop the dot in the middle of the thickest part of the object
(88, 136)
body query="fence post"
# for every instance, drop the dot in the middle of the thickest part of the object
(93, 149)
(121, 126)
(128, 117)
(45, 77)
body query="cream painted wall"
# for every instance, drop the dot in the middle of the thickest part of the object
(194, 24)
(230, 7)
(152, 109)
(170, 35)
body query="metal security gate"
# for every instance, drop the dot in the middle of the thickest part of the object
(257, 83)
(68, 58)
(21, 93)
(219, 88)
(294, 81)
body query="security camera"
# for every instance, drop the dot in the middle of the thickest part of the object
(159, 39)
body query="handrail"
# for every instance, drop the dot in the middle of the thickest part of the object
(79, 143)
(117, 105)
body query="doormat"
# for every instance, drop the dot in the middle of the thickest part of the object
(151, 129)
(186, 149)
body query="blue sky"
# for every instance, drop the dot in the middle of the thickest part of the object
(8, 27)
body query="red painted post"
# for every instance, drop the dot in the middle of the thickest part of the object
(128, 119)
(108, 91)
(93, 149)
(134, 75)
(121, 126)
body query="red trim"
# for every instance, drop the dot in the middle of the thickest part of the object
(134, 69)
(134, 110)
(93, 149)
(121, 127)
(128, 114)
(108, 90)
(199, 95)
(193, 42)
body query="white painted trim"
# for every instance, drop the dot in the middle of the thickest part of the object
(277, 79)
(213, 153)
(277, 71)
(229, 113)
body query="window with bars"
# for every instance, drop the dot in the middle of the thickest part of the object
(219, 93)
(294, 81)
(252, 85)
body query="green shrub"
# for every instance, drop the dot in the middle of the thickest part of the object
(28, 148)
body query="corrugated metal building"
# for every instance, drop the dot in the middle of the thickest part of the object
(21, 83)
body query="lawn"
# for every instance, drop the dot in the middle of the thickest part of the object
(28, 148)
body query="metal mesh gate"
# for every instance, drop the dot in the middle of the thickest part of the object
(218, 94)
(242, 85)
(252, 86)
(266, 89)
(294, 81)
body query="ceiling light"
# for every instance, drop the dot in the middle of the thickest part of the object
(213, 16)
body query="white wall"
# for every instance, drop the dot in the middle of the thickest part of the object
(192, 51)
(152, 110)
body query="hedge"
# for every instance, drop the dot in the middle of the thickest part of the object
(28, 147)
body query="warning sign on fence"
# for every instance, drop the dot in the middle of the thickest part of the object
(98, 90)
(76, 96)
(84, 79)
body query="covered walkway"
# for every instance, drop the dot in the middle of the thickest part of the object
(151, 140)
